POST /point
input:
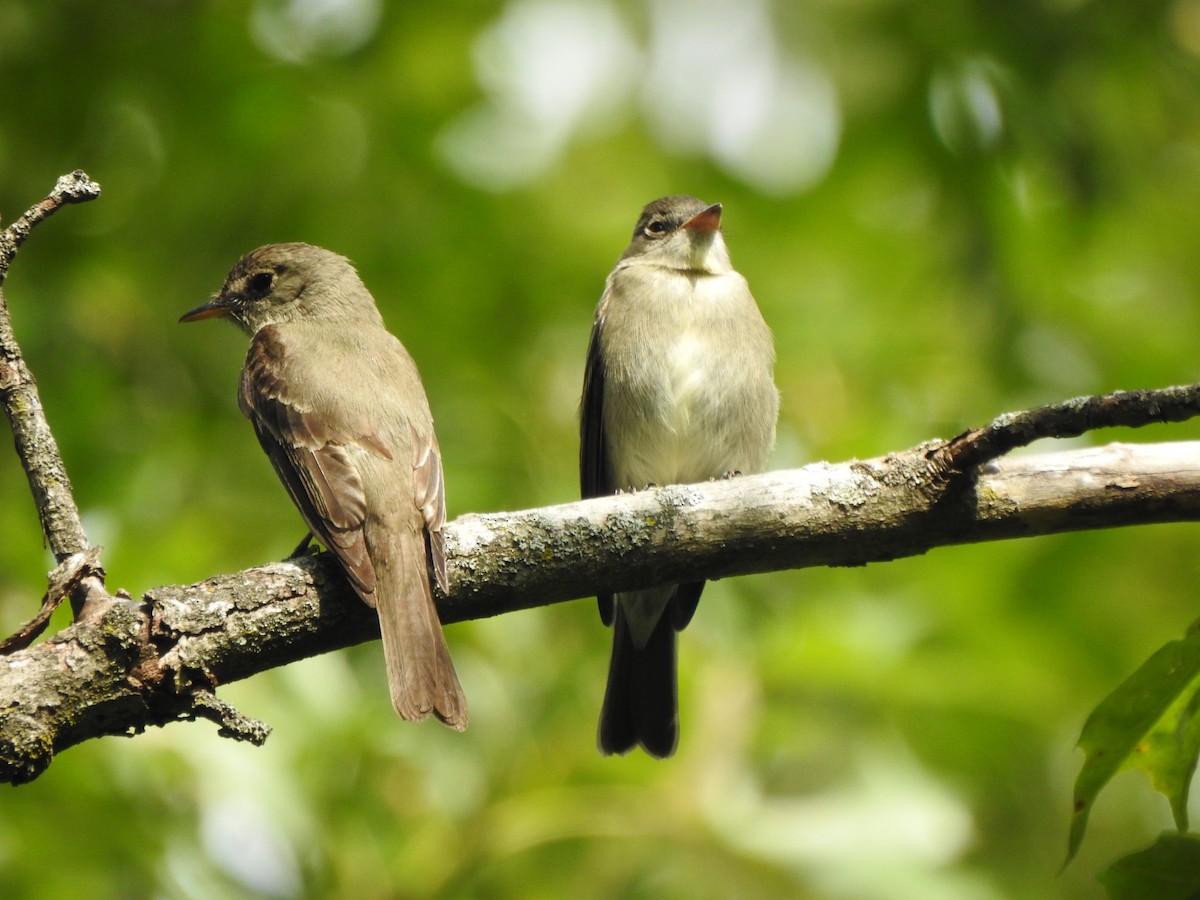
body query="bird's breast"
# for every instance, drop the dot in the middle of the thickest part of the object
(689, 393)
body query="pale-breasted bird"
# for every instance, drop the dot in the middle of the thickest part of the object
(678, 388)
(338, 406)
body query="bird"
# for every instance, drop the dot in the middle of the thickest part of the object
(678, 388)
(338, 406)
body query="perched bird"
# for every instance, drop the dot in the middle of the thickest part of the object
(678, 388)
(339, 408)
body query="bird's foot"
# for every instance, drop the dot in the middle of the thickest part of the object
(304, 547)
(634, 490)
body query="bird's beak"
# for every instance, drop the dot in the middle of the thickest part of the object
(217, 306)
(705, 222)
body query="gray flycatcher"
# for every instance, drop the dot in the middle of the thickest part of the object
(678, 388)
(339, 408)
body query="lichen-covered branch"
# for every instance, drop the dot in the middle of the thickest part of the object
(34, 441)
(158, 659)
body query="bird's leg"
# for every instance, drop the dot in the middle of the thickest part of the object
(303, 547)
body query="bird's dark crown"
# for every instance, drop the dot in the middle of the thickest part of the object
(666, 214)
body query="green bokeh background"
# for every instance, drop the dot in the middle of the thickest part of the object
(948, 210)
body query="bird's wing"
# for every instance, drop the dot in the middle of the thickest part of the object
(429, 494)
(313, 461)
(595, 472)
(595, 476)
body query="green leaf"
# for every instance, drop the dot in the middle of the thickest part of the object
(1167, 870)
(1150, 723)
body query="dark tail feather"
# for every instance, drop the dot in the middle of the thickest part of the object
(641, 705)
(683, 604)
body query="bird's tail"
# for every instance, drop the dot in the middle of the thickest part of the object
(641, 705)
(421, 674)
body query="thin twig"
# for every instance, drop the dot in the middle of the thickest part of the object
(230, 722)
(64, 580)
(1069, 418)
(34, 441)
(73, 188)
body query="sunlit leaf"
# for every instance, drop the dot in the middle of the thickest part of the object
(1149, 723)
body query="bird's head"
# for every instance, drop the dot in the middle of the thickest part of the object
(282, 283)
(680, 232)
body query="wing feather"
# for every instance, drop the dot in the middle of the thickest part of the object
(595, 471)
(314, 461)
(429, 494)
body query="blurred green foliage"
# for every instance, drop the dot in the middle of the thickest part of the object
(945, 211)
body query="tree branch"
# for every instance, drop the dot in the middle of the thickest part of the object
(125, 664)
(31, 432)
(147, 662)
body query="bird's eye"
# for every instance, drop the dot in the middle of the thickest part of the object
(656, 226)
(260, 284)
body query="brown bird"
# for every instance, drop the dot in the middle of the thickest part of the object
(678, 388)
(338, 406)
